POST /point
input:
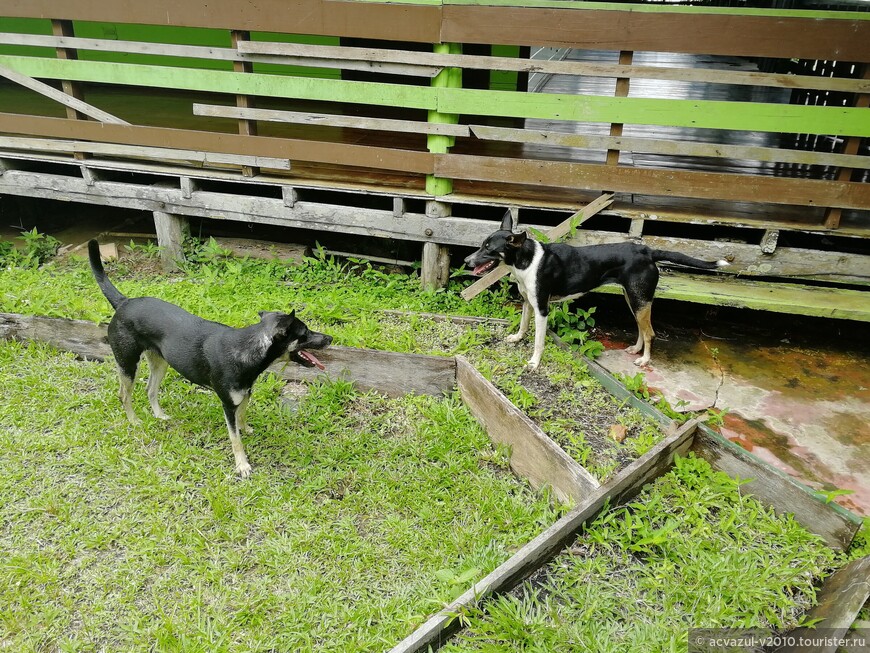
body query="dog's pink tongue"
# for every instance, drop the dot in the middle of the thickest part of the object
(312, 359)
(483, 267)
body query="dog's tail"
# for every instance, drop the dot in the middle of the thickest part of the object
(683, 259)
(112, 294)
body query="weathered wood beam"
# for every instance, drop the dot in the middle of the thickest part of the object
(534, 455)
(65, 99)
(545, 546)
(669, 147)
(331, 120)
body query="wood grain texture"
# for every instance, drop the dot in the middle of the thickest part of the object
(840, 599)
(534, 455)
(541, 549)
(775, 489)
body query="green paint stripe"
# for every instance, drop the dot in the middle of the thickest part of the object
(642, 8)
(749, 116)
(232, 83)
(712, 114)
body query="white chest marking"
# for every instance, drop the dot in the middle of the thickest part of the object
(527, 279)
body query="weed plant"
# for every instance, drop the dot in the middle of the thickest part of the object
(363, 515)
(690, 551)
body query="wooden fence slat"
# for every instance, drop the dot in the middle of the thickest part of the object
(713, 114)
(285, 148)
(59, 96)
(669, 147)
(158, 153)
(331, 120)
(400, 62)
(653, 181)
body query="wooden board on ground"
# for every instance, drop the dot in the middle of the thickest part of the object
(534, 455)
(533, 555)
(841, 598)
(389, 372)
(773, 488)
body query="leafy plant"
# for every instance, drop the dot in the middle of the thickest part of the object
(38, 248)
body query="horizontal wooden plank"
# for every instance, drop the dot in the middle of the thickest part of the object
(329, 18)
(299, 52)
(206, 52)
(841, 38)
(391, 373)
(541, 549)
(61, 97)
(754, 116)
(84, 339)
(836, 525)
(331, 120)
(534, 456)
(236, 144)
(654, 181)
(198, 157)
(669, 147)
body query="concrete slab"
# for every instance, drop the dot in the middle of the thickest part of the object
(804, 409)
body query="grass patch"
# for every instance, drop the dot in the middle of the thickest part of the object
(361, 514)
(690, 551)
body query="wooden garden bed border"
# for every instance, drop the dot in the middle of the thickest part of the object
(397, 374)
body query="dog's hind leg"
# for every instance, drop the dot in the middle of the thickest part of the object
(643, 315)
(231, 414)
(127, 377)
(158, 367)
(524, 324)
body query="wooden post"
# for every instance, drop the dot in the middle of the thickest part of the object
(246, 127)
(65, 28)
(625, 58)
(435, 267)
(171, 230)
(449, 77)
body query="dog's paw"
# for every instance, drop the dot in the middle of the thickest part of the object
(247, 429)
(643, 360)
(513, 339)
(532, 365)
(244, 470)
(162, 415)
(634, 349)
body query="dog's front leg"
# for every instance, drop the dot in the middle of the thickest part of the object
(540, 338)
(231, 413)
(524, 324)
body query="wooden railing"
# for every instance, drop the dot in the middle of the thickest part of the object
(262, 100)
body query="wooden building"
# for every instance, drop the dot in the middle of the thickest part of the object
(723, 132)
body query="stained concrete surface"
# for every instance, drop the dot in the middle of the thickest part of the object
(800, 403)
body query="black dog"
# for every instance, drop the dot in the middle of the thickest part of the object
(210, 354)
(553, 272)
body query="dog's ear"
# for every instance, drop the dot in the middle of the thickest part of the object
(516, 240)
(507, 222)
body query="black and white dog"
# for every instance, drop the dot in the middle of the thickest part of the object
(547, 272)
(210, 354)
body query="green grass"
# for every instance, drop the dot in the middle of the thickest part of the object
(690, 551)
(360, 516)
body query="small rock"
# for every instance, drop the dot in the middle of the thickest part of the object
(617, 432)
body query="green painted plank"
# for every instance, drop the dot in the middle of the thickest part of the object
(750, 116)
(643, 8)
(232, 83)
(712, 114)
(789, 298)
